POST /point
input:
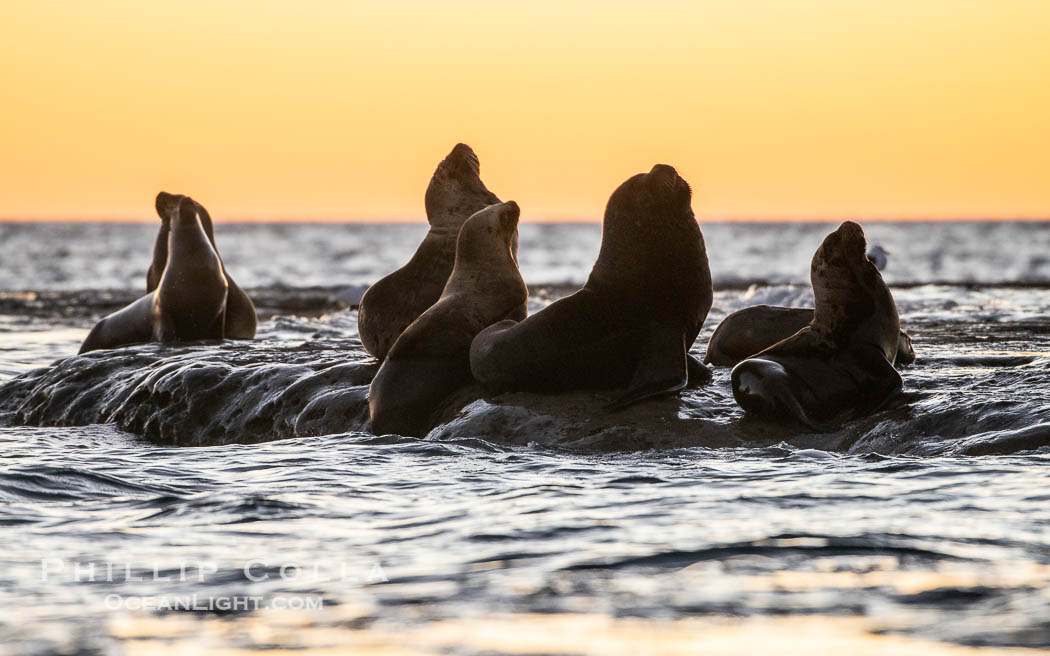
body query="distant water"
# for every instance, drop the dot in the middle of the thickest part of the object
(65, 256)
(679, 520)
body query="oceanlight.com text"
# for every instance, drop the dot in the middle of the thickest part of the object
(207, 603)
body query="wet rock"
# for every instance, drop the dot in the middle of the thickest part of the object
(197, 395)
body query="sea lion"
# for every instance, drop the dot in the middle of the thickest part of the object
(754, 329)
(241, 319)
(189, 302)
(632, 323)
(454, 194)
(431, 359)
(842, 361)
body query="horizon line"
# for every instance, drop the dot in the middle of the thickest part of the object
(553, 220)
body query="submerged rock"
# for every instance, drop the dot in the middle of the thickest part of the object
(580, 421)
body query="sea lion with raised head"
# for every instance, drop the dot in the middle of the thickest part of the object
(388, 306)
(431, 359)
(842, 362)
(189, 302)
(632, 323)
(754, 329)
(241, 318)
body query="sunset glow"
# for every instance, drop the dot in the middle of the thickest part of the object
(815, 109)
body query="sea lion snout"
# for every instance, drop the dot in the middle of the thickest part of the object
(509, 216)
(456, 191)
(666, 177)
(845, 247)
(187, 210)
(463, 152)
(850, 237)
(461, 160)
(664, 173)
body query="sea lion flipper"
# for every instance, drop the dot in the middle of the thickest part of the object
(663, 366)
(699, 373)
(421, 387)
(884, 381)
(130, 325)
(218, 327)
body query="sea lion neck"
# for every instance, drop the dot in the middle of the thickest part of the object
(447, 214)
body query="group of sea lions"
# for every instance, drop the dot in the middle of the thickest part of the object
(189, 294)
(456, 313)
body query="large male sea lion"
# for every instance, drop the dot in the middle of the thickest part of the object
(431, 359)
(753, 329)
(842, 362)
(240, 311)
(454, 194)
(632, 323)
(189, 302)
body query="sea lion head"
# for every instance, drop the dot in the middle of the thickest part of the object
(650, 234)
(488, 234)
(849, 292)
(167, 204)
(186, 212)
(456, 191)
(660, 194)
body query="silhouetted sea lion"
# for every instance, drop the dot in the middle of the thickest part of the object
(753, 329)
(632, 323)
(240, 311)
(431, 359)
(842, 361)
(189, 302)
(454, 194)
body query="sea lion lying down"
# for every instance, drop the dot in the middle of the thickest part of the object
(754, 329)
(842, 362)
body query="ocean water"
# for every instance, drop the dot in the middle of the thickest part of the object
(215, 497)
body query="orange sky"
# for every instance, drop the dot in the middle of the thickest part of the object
(340, 110)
